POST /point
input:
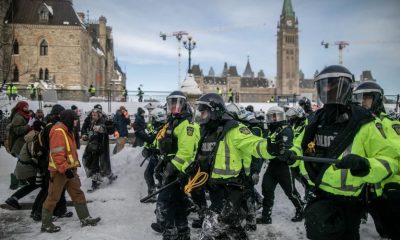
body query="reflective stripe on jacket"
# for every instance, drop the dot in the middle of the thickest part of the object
(63, 154)
(234, 150)
(368, 143)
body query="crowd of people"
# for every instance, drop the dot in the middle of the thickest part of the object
(346, 156)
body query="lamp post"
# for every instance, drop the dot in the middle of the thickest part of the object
(189, 45)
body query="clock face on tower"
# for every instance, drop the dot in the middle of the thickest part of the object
(289, 22)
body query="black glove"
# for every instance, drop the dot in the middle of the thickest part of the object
(69, 173)
(287, 156)
(170, 173)
(358, 166)
(192, 169)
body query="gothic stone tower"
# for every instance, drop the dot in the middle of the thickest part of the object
(287, 52)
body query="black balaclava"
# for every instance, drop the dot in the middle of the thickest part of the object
(67, 117)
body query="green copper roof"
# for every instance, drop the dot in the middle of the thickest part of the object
(287, 9)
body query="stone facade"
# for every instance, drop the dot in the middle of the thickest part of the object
(79, 53)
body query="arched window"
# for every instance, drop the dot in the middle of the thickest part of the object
(46, 74)
(44, 48)
(41, 76)
(43, 15)
(15, 47)
(15, 74)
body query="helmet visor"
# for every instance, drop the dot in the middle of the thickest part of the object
(276, 117)
(175, 105)
(204, 113)
(334, 90)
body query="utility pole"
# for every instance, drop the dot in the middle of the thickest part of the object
(178, 35)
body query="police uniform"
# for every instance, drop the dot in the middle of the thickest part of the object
(278, 172)
(177, 142)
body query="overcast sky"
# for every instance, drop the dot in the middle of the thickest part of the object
(230, 30)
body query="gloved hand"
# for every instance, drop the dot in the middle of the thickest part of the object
(287, 156)
(358, 165)
(85, 137)
(170, 173)
(69, 173)
(255, 178)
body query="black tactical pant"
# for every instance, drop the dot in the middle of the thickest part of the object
(278, 172)
(331, 219)
(386, 214)
(174, 211)
(149, 173)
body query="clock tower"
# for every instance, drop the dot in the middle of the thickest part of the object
(287, 81)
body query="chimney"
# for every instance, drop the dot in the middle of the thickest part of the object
(103, 32)
(81, 16)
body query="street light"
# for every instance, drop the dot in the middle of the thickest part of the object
(189, 45)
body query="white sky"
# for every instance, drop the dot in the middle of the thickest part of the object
(229, 30)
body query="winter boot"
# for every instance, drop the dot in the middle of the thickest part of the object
(14, 184)
(111, 178)
(250, 227)
(157, 227)
(299, 215)
(47, 225)
(264, 220)
(37, 217)
(266, 216)
(65, 214)
(13, 202)
(95, 185)
(83, 215)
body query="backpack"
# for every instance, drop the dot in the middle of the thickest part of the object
(40, 146)
(9, 136)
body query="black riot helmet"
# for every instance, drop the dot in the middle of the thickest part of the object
(367, 91)
(176, 103)
(333, 85)
(250, 108)
(211, 107)
(305, 103)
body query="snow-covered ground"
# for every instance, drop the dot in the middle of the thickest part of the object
(123, 216)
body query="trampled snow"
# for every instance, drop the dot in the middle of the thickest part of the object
(123, 216)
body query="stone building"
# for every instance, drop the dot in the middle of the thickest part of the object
(251, 87)
(51, 43)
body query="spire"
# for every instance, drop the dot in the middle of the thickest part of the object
(225, 71)
(211, 72)
(287, 9)
(248, 72)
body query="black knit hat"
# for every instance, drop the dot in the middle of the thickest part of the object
(57, 109)
(74, 107)
(140, 110)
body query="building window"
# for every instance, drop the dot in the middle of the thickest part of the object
(46, 74)
(16, 47)
(43, 16)
(15, 74)
(44, 48)
(41, 76)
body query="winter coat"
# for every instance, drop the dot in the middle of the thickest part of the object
(77, 129)
(121, 123)
(99, 140)
(26, 165)
(63, 152)
(20, 129)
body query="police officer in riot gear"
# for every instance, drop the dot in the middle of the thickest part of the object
(177, 141)
(251, 194)
(346, 132)
(383, 204)
(305, 103)
(280, 136)
(224, 149)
